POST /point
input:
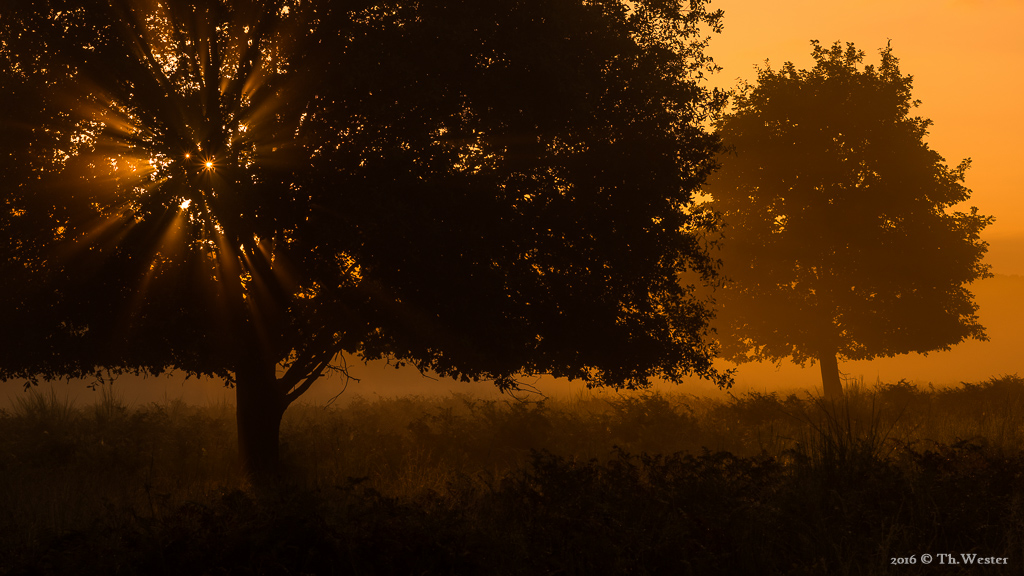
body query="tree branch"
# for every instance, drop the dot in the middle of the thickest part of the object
(312, 377)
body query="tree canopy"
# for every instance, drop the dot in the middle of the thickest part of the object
(841, 230)
(248, 188)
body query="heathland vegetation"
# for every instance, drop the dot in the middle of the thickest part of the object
(598, 483)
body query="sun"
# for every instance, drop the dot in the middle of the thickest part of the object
(175, 154)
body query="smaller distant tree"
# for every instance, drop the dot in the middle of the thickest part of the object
(840, 238)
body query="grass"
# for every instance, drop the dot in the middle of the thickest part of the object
(632, 484)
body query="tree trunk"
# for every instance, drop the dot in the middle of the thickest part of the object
(259, 408)
(830, 383)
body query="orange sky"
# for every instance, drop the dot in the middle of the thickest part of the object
(967, 59)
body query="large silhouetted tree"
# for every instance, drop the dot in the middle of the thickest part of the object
(840, 239)
(247, 189)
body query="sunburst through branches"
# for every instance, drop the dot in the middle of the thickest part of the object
(181, 113)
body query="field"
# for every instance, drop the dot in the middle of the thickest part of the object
(596, 484)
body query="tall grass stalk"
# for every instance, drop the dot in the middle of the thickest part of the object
(847, 434)
(45, 408)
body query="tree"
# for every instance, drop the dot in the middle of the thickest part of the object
(248, 188)
(840, 239)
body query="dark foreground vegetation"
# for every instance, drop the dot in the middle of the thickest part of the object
(641, 484)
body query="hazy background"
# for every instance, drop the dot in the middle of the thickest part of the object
(966, 58)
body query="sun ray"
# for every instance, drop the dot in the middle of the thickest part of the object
(188, 109)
